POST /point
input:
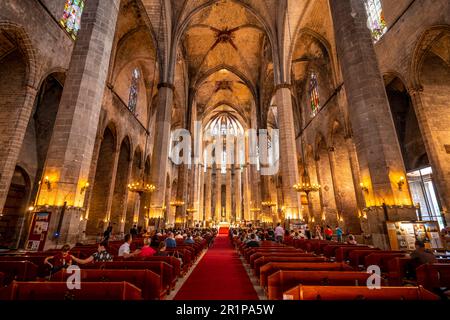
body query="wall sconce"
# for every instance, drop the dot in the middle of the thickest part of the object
(84, 188)
(400, 183)
(31, 208)
(364, 188)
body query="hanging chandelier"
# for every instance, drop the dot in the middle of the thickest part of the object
(306, 186)
(141, 187)
(269, 204)
(177, 203)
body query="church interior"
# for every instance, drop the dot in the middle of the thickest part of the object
(225, 149)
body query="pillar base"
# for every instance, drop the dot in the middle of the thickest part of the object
(374, 227)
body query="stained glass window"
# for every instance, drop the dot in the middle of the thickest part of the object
(314, 99)
(134, 88)
(72, 17)
(375, 21)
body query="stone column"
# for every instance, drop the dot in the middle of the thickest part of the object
(237, 192)
(218, 215)
(437, 153)
(246, 194)
(161, 147)
(180, 213)
(200, 193)
(374, 133)
(288, 153)
(228, 188)
(208, 193)
(71, 147)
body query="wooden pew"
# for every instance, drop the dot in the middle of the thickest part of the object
(2, 279)
(302, 292)
(163, 269)
(174, 262)
(269, 268)
(434, 276)
(341, 254)
(149, 282)
(38, 260)
(258, 263)
(329, 251)
(18, 270)
(283, 280)
(396, 270)
(381, 258)
(356, 257)
(284, 250)
(258, 255)
(59, 291)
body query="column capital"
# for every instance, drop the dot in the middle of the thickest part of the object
(415, 90)
(166, 85)
(283, 86)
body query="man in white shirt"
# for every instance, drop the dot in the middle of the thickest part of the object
(279, 233)
(124, 250)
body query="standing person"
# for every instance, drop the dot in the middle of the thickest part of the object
(339, 233)
(328, 233)
(307, 233)
(134, 231)
(107, 234)
(279, 233)
(319, 232)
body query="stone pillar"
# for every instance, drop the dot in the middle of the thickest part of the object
(161, 147)
(200, 194)
(71, 147)
(208, 194)
(288, 153)
(439, 157)
(373, 129)
(237, 192)
(180, 213)
(228, 188)
(246, 194)
(218, 215)
(327, 194)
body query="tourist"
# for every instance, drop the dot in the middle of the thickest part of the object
(107, 234)
(307, 233)
(339, 233)
(318, 233)
(189, 239)
(100, 256)
(253, 242)
(61, 260)
(161, 252)
(146, 251)
(124, 249)
(134, 231)
(170, 240)
(422, 256)
(351, 239)
(328, 233)
(279, 233)
(178, 236)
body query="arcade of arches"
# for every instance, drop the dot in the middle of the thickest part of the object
(271, 93)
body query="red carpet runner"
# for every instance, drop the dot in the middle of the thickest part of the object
(220, 275)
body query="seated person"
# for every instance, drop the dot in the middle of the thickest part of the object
(161, 252)
(178, 236)
(253, 242)
(170, 241)
(100, 256)
(146, 250)
(421, 255)
(351, 239)
(124, 250)
(189, 239)
(61, 260)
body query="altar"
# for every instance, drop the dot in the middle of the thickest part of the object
(224, 227)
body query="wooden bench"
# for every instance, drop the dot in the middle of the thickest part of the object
(284, 250)
(434, 276)
(329, 251)
(149, 282)
(2, 279)
(356, 257)
(163, 269)
(269, 268)
(302, 292)
(38, 260)
(396, 270)
(174, 262)
(18, 270)
(283, 280)
(59, 291)
(381, 258)
(341, 254)
(258, 255)
(258, 263)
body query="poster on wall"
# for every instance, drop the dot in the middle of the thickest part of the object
(38, 231)
(404, 234)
